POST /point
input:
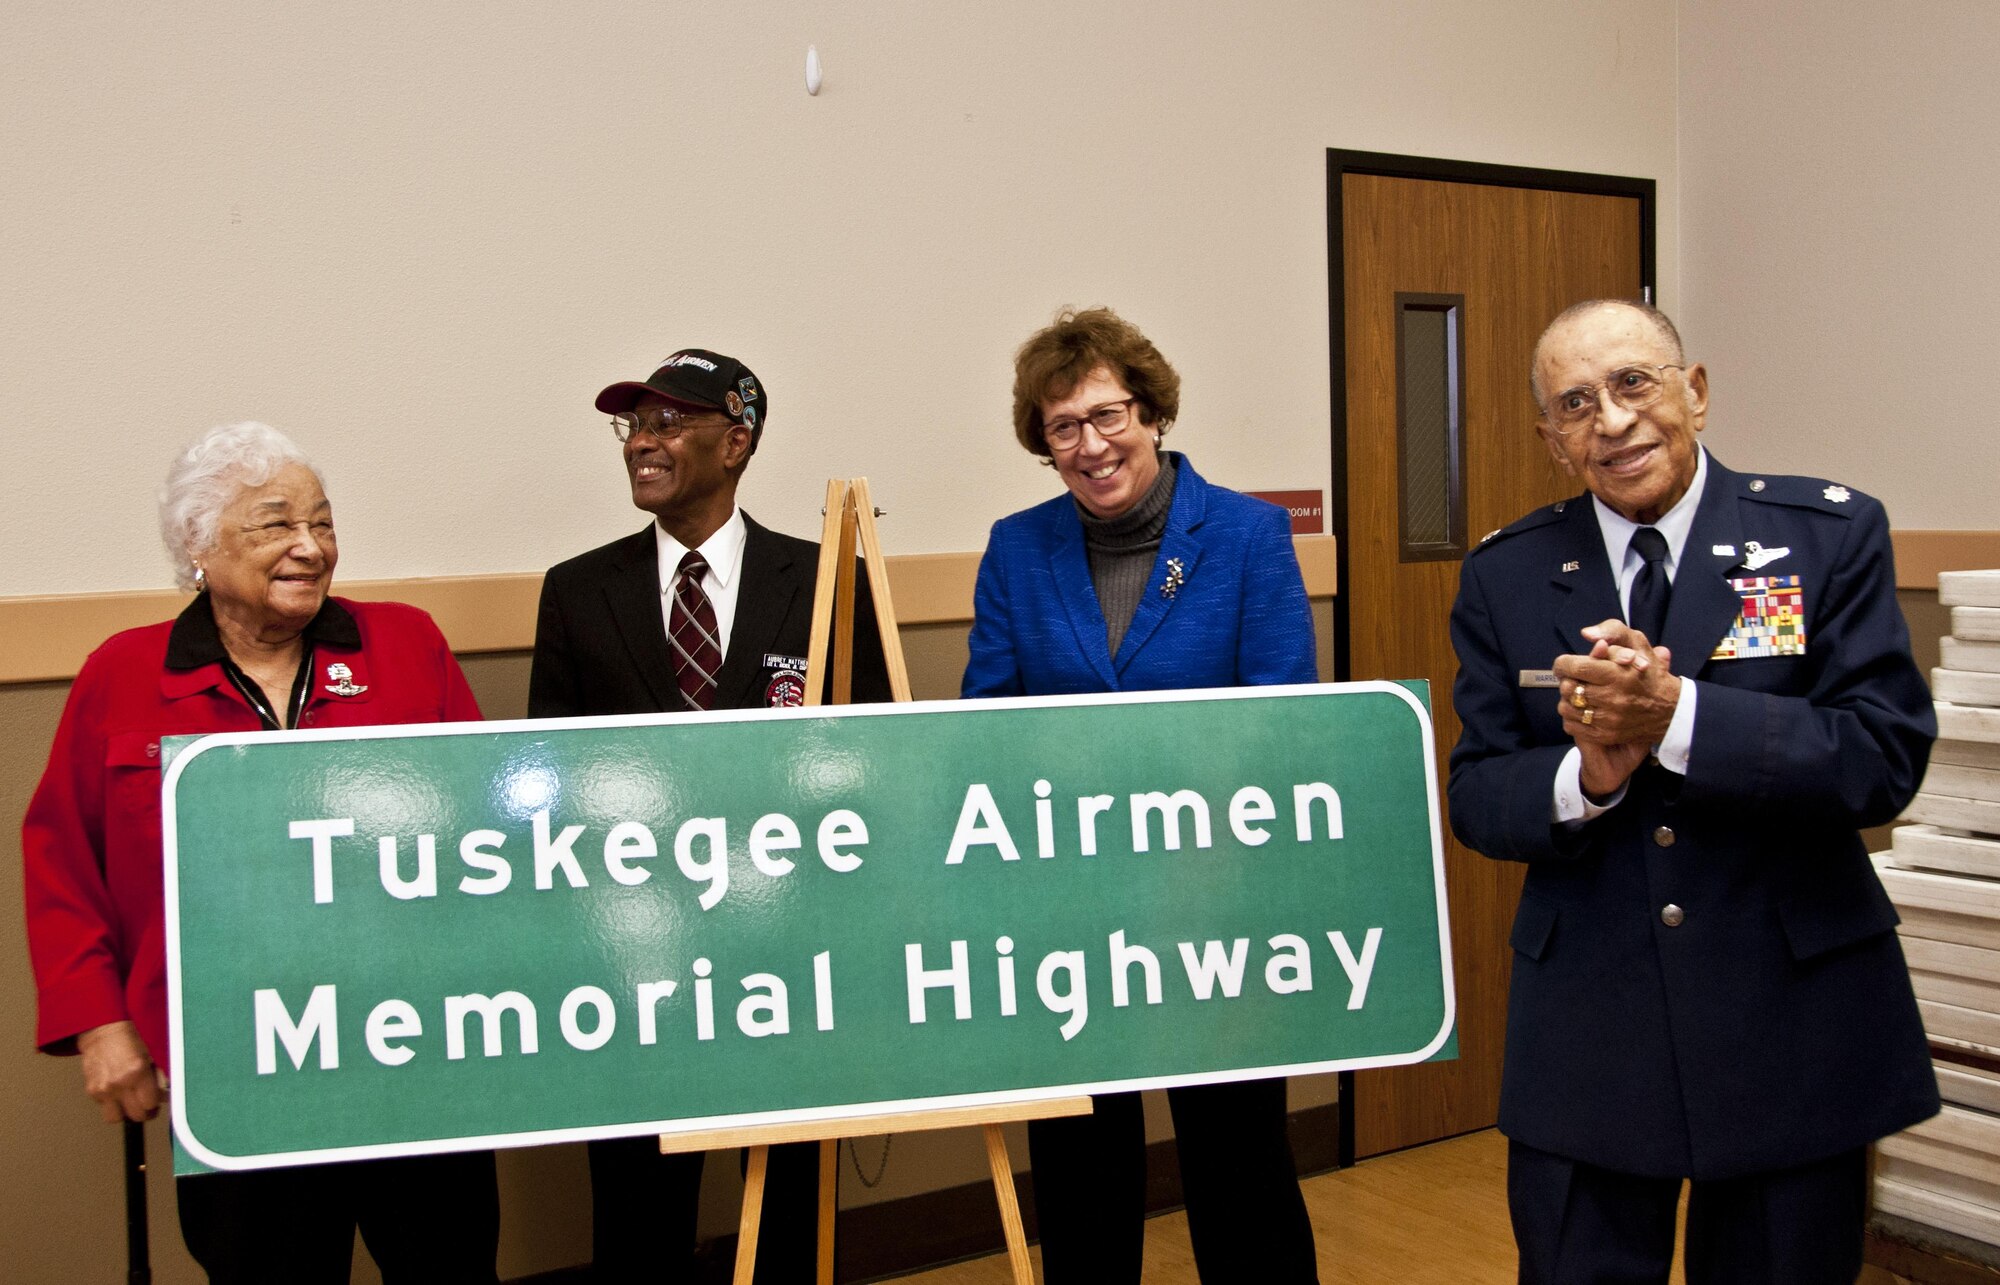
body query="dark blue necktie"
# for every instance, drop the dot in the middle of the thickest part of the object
(1650, 588)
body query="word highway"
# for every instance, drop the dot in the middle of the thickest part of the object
(589, 1017)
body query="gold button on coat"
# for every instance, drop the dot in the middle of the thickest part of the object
(1664, 836)
(1671, 915)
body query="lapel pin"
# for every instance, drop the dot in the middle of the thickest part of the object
(1756, 555)
(342, 683)
(1572, 566)
(1176, 577)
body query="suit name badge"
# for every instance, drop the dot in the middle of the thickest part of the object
(1771, 622)
(786, 688)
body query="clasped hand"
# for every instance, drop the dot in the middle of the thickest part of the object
(1616, 702)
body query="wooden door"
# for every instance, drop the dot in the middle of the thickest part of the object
(1503, 260)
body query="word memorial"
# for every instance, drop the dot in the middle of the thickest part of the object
(396, 940)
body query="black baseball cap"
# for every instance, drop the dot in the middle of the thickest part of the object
(699, 378)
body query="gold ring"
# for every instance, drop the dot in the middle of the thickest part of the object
(1576, 697)
(1588, 714)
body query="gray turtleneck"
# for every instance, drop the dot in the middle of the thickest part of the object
(1123, 549)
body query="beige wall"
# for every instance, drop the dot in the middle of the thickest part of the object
(1838, 252)
(420, 237)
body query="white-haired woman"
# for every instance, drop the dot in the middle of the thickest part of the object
(247, 524)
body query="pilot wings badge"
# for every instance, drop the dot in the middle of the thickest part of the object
(343, 681)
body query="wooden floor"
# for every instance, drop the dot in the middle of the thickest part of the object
(1432, 1215)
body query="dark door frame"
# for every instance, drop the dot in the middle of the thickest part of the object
(1339, 163)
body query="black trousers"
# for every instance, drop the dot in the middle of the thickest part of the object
(424, 1219)
(644, 1210)
(1245, 1214)
(1575, 1222)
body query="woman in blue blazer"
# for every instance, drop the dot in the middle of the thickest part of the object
(1142, 577)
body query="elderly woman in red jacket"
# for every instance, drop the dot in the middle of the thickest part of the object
(262, 646)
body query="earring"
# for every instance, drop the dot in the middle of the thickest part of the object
(200, 579)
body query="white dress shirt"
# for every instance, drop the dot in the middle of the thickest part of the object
(722, 581)
(1570, 805)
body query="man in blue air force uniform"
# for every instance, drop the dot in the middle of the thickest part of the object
(1683, 693)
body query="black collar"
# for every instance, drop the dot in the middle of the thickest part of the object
(196, 640)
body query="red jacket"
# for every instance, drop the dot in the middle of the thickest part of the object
(90, 845)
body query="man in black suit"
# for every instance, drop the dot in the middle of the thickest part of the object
(704, 609)
(1684, 692)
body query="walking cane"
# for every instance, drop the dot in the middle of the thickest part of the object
(138, 1259)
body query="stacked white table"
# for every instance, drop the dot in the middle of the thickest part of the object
(1944, 876)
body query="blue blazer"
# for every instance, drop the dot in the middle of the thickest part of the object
(1238, 616)
(1774, 1025)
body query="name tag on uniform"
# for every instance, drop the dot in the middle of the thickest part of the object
(1772, 621)
(1540, 678)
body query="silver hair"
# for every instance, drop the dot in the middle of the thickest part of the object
(205, 477)
(1663, 326)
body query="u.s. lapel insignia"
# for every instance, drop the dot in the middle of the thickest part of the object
(1572, 566)
(1176, 577)
(343, 683)
(1837, 493)
(1771, 622)
(1756, 556)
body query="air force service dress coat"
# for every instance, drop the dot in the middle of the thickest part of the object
(1237, 617)
(1706, 979)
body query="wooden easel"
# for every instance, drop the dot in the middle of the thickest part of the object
(850, 525)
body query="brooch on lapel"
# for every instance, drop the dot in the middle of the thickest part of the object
(1176, 577)
(343, 681)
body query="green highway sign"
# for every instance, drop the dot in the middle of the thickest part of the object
(391, 940)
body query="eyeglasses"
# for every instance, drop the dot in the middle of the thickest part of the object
(1633, 387)
(662, 422)
(1109, 420)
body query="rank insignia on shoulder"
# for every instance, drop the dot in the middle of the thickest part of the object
(1489, 535)
(1771, 622)
(343, 681)
(1837, 493)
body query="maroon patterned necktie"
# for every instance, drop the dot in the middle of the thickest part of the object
(691, 630)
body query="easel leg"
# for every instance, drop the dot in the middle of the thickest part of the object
(753, 1216)
(829, 1193)
(1010, 1207)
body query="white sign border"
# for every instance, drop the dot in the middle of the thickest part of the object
(184, 1134)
